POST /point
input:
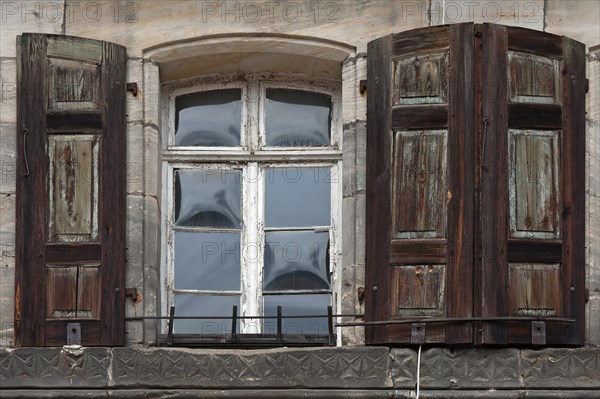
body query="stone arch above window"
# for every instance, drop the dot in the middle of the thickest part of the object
(313, 57)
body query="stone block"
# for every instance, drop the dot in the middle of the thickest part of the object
(152, 282)
(526, 14)
(8, 91)
(54, 367)
(592, 319)
(135, 104)
(404, 367)
(8, 158)
(443, 368)
(348, 230)
(361, 157)
(593, 157)
(149, 23)
(593, 98)
(135, 231)
(361, 99)
(561, 368)
(361, 239)
(151, 93)
(575, 19)
(593, 232)
(349, 91)
(347, 368)
(349, 161)
(7, 297)
(348, 289)
(28, 16)
(135, 158)
(152, 174)
(134, 332)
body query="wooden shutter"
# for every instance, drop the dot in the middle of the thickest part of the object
(70, 191)
(532, 179)
(476, 191)
(420, 151)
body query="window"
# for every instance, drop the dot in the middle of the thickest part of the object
(475, 187)
(252, 190)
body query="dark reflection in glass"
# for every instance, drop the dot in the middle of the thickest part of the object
(296, 260)
(208, 198)
(298, 197)
(297, 118)
(207, 261)
(204, 305)
(208, 118)
(297, 305)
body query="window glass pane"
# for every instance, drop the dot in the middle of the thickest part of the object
(204, 305)
(207, 261)
(297, 305)
(297, 197)
(208, 118)
(208, 198)
(296, 260)
(297, 118)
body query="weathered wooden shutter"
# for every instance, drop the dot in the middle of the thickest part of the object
(420, 152)
(70, 191)
(532, 180)
(476, 191)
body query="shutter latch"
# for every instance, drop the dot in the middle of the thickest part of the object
(133, 88)
(362, 86)
(417, 333)
(74, 334)
(538, 333)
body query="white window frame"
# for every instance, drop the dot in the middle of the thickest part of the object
(252, 158)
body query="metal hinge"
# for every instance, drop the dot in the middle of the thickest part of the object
(133, 88)
(538, 333)
(587, 85)
(417, 333)
(587, 295)
(73, 334)
(362, 86)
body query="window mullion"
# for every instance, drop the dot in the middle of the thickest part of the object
(252, 119)
(250, 256)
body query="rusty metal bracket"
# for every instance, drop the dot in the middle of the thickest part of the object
(171, 321)
(362, 86)
(587, 295)
(587, 85)
(73, 334)
(538, 333)
(417, 333)
(133, 88)
(133, 293)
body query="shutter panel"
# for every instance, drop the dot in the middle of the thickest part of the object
(70, 191)
(533, 197)
(420, 152)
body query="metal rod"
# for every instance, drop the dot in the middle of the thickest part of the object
(234, 322)
(279, 317)
(171, 319)
(330, 324)
(356, 316)
(452, 320)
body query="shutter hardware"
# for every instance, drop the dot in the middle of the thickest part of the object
(362, 85)
(453, 320)
(133, 88)
(417, 333)
(73, 334)
(538, 333)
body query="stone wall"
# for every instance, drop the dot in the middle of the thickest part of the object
(143, 25)
(365, 372)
